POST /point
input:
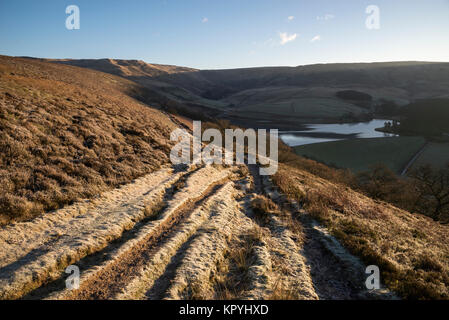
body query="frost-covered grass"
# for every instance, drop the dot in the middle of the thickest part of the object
(411, 250)
(68, 133)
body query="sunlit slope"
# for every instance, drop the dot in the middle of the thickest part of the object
(69, 133)
(410, 250)
(147, 75)
(126, 68)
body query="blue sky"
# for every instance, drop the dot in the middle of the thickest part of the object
(212, 34)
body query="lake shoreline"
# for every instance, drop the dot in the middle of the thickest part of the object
(318, 133)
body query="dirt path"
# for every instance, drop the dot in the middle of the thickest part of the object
(328, 268)
(190, 233)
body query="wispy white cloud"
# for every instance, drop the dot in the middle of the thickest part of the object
(326, 17)
(286, 38)
(316, 38)
(290, 18)
(205, 20)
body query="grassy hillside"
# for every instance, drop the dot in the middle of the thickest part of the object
(389, 74)
(68, 133)
(147, 75)
(302, 93)
(125, 68)
(397, 81)
(305, 109)
(435, 154)
(411, 251)
(361, 154)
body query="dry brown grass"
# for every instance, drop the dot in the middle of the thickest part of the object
(263, 208)
(67, 133)
(283, 291)
(411, 250)
(125, 68)
(153, 211)
(231, 279)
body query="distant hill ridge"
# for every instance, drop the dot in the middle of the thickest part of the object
(298, 94)
(125, 67)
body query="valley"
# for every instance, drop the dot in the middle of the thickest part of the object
(224, 159)
(86, 181)
(308, 104)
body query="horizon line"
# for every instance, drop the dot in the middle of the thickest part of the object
(237, 68)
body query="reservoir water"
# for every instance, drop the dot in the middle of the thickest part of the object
(317, 133)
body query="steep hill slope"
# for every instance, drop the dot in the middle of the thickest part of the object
(125, 68)
(411, 250)
(69, 133)
(163, 93)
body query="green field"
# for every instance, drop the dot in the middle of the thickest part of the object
(435, 154)
(361, 154)
(310, 107)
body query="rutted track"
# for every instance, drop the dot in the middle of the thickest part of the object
(333, 272)
(37, 252)
(204, 243)
(106, 281)
(154, 277)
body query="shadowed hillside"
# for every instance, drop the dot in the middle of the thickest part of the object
(313, 93)
(406, 77)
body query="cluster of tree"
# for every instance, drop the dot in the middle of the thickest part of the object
(426, 117)
(425, 190)
(433, 191)
(391, 126)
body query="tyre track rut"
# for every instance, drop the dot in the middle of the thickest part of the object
(179, 233)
